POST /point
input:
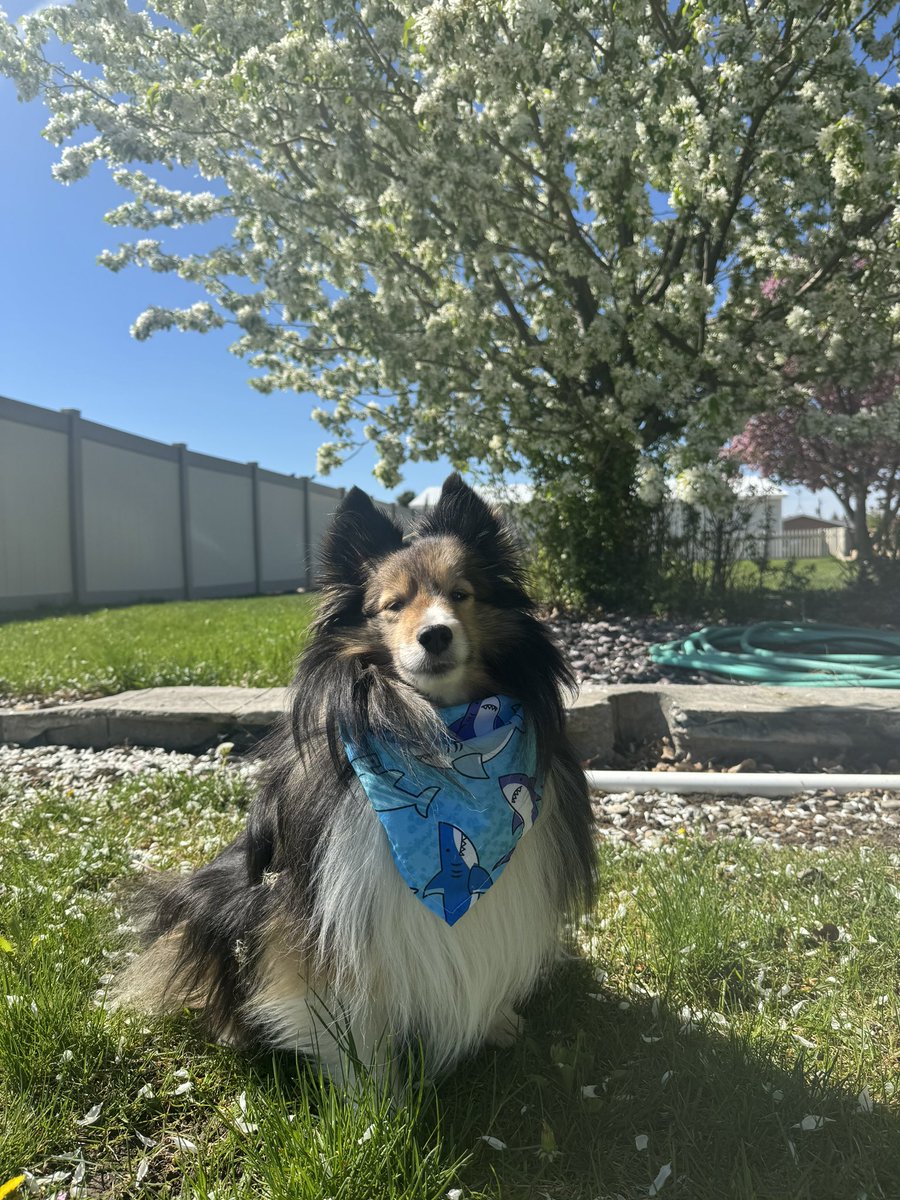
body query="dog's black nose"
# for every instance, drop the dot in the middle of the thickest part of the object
(436, 638)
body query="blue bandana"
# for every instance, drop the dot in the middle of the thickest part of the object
(453, 831)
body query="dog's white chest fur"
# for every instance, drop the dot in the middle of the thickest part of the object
(392, 971)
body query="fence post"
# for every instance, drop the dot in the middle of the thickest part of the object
(76, 506)
(307, 534)
(184, 512)
(257, 527)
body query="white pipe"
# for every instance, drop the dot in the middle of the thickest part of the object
(755, 783)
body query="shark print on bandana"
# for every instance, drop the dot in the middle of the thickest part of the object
(452, 831)
(519, 793)
(396, 794)
(481, 716)
(461, 879)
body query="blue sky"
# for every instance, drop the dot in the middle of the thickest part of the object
(64, 321)
(64, 340)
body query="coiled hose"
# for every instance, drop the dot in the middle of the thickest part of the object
(777, 652)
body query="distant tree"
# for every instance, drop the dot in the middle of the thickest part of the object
(529, 233)
(404, 498)
(845, 439)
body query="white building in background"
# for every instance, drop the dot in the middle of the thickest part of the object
(507, 494)
(760, 498)
(757, 501)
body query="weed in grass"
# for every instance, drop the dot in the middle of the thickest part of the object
(730, 1007)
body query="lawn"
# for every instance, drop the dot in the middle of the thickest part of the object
(252, 642)
(817, 574)
(730, 1029)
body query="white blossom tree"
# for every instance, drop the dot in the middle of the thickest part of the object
(518, 232)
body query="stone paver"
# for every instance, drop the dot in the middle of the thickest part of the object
(783, 727)
(176, 718)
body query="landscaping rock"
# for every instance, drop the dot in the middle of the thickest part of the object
(646, 821)
(615, 649)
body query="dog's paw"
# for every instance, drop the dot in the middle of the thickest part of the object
(505, 1029)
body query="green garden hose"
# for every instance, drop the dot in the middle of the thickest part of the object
(777, 652)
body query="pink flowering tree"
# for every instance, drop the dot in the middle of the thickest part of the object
(845, 439)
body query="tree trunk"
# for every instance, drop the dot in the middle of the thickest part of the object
(861, 537)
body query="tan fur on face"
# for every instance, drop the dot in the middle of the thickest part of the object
(432, 581)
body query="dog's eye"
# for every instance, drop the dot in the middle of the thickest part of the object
(458, 595)
(392, 606)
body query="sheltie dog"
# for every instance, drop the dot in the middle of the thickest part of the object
(302, 935)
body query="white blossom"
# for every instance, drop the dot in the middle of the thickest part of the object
(451, 226)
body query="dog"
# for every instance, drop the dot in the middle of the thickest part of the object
(311, 932)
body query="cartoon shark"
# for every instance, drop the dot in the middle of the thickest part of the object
(470, 763)
(460, 880)
(402, 793)
(519, 793)
(480, 717)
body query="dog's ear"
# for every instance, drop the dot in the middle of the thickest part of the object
(460, 511)
(358, 534)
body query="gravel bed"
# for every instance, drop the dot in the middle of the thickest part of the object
(67, 767)
(818, 820)
(645, 820)
(615, 649)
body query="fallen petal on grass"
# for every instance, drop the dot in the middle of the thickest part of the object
(183, 1143)
(659, 1182)
(142, 1169)
(811, 1123)
(864, 1101)
(148, 1142)
(589, 1091)
(91, 1116)
(494, 1143)
(641, 1141)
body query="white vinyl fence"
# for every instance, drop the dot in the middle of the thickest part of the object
(809, 543)
(92, 515)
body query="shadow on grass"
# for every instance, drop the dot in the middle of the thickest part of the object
(596, 1072)
(722, 1111)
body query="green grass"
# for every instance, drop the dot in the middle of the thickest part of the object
(250, 642)
(818, 574)
(703, 1012)
(255, 641)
